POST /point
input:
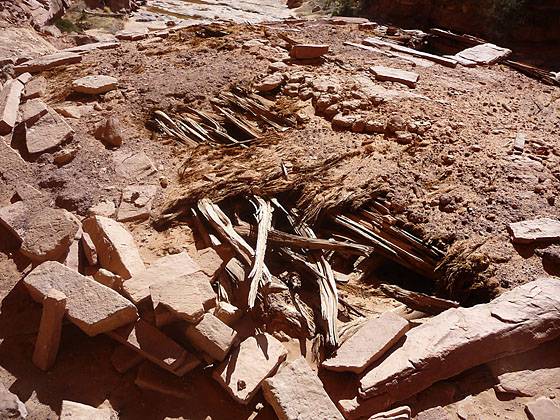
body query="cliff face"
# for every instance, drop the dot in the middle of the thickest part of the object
(512, 23)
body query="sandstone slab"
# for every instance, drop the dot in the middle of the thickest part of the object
(368, 344)
(484, 53)
(297, 393)
(124, 358)
(209, 261)
(47, 62)
(88, 247)
(535, 230)
(35, 88)
(94, 308)
(95, 84)
(211, 336)
(106, 278)
(45, 233)
(389, 74)
(435, 413)
(227, 313)
(77, 411)
(458, 339)
(136, 203)
(166, 268)
(308, 51)
(100, 45)
(48, 339)
(48, 132)
(185, 297)
(32, 110)
(399, 413)
(10, 95)
(116, 249)
(269, 83)
(154, 379)
(136, 165)
(256, 358)
(155, 346)
(109, 132)
(542, 409)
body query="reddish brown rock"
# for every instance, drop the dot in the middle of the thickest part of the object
(154, 379)
(116, 249)
(47, 132)
(155, 346)
(389, 74)
(94, 85)
(308, 51)
(10, 96)
(89, 249)
(136, 203)
(124, 358)
(47, 62)
(542, 409)
(209, 261)
(256, 358)
(45, 233)
(484, 53)
(48, 339)
(458, 339)
(211, 336)
(368, 344)
(35, 88)
(435, 413)
(32, 110)
(535, 230)
(297, 393)
(166, 268)
(94, 308)
(109, 132)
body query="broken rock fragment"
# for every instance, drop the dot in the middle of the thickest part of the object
(45, 233)
(10, 96)
(256, 358)
(109, 132)
(296, 393)
(484, 53)
(542, 409)
(94, 308)
(35, 88)
(308, 51)
(211, 336)
(116, 249)
(458, 339)
(399, 413)
(95, 85)
(389, 74)
(47, 62)
(136, 203)
(77, 411)
(32, 110)
(270, 83)
(155, 346)
(48, 339)
(11, 406)
(368, 344)
(535, 230)
(48, 132)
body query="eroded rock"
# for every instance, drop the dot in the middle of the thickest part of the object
(95, 85)
(47, 133)
(211, 336)
(10, 95)
(535, 230)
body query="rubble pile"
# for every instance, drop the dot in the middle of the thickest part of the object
(258, 303)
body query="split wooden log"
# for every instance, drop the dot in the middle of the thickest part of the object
(418, 301)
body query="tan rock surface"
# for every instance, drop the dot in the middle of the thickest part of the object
(48, 339)
(136, 203)
(389, 74)
(77, 411)
(535, 230)
(47, 62)
(10, 96)
(94, 308)
(308, 51)
(94, 85)
(48, 132)
(297, 393)
(256, 358)
(116, 249)
(211, 336)
(32, 110)
(542, 408)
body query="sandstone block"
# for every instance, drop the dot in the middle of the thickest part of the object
(169, 267)
(116, 249)
(535, 230)
(136, 165)
(89, 249)
(94, 308)
(48, 339)
(209, 261)
(542, 409)
(458, 339)
(35, 88)
(368, 344)
(155, 346)
(94, 85)
(297, 393)
(47, 132)
(109, 132)
(124, 358)
(308, 51)
(389, 74)
(256, 358)
(269, 83)
(136, 203)
(484, 53)
(211, 336)
(76, 411)
(227, 313)
(10, 96)
(32, 110)
(399, 413)
(111, 280)
(47, 62)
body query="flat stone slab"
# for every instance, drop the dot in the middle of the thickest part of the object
(137, 288)
(154, 379)
(458, 339)
(45, 233)
(115, 246)
(308, 51)
(124, 358)
(47, 62)
(77, 411)
(256, 358)
(48, 132)
(136, 202)
(101, 45)
(484, 53)
(32, 110)
(535, 230)
(136, 165)
(269, 83)
(297, 393)
(211, 336)
(184, 297)
(92, 307)
(156, 347)
(435, 413)
(542, 409)
(10, 95)
(35, 88)
(368, 344)
(209, 261)
(389, 74)
(94, 85)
